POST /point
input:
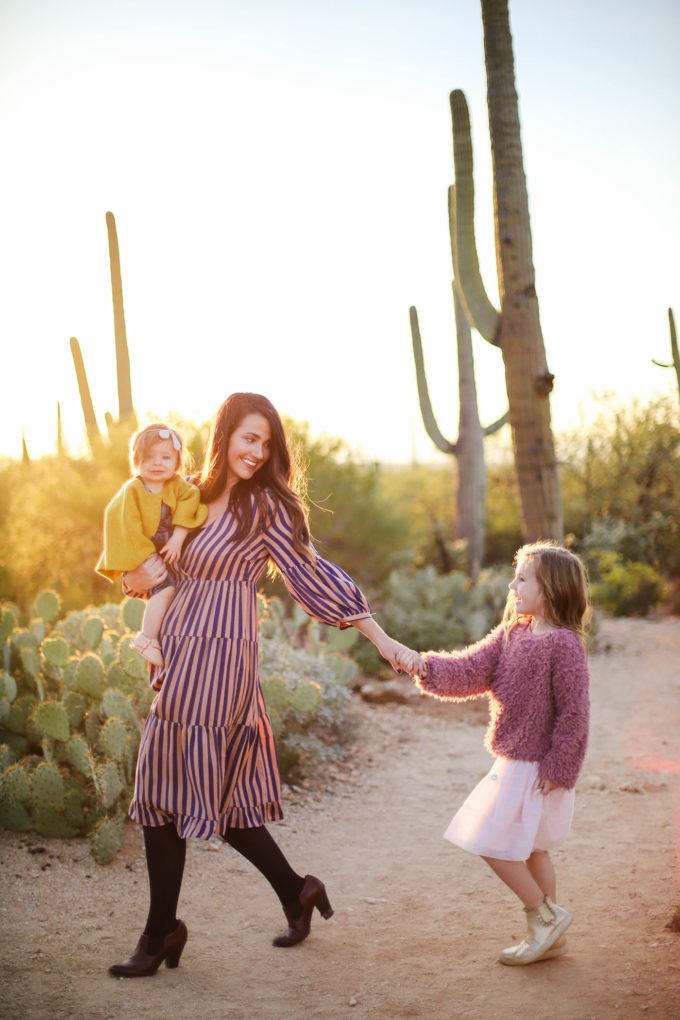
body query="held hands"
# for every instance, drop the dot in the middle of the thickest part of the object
(402, 658)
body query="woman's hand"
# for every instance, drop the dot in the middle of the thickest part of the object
(147, 575)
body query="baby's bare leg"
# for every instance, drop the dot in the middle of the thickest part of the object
(156, 609)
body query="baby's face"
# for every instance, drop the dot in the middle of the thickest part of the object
(159, 464)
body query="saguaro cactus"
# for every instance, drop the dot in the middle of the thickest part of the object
(125, 408)
(468, 449)
(515, 328)
(91, 427)
(675, 363)
(126, 414)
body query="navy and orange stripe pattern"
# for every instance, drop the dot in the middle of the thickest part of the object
(207, 760)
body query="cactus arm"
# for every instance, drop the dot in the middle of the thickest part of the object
(125, 408)
(494, 427)
(85, 398)
(61, 447)
(675, 363)
(479, 310)
(429, 420)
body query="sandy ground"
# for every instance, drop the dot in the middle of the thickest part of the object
(418, 923)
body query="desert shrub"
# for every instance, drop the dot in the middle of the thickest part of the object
(425, 610)
(625, 587)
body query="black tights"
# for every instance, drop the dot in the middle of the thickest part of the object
(165, 855)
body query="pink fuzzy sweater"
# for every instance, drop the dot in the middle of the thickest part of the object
(537, 685)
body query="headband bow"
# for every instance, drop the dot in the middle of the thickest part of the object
(170, 434)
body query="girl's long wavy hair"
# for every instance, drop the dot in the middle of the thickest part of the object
(563, 580)
(282, 474)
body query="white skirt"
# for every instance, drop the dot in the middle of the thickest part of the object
(507, 817)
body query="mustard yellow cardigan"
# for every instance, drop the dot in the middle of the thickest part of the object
(134, 515)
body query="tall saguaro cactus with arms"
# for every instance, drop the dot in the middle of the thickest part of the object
(468, 449)
(515, 327)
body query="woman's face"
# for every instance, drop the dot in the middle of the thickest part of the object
(249, 448)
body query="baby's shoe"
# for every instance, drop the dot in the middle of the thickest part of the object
(546, 924)
(148, 648)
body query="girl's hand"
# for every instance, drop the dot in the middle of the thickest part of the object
(546, 785)
(147, 575)
(172, 550)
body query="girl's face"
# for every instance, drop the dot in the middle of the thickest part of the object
(249, 448)
(527, 591)
(159, 464)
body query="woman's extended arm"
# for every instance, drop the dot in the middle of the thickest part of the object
(399, 656)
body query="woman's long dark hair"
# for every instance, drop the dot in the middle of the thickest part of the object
(281, 475)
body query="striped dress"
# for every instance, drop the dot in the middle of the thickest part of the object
(207, 759)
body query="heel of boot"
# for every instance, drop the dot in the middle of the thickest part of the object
(323, 905)
(172, 959)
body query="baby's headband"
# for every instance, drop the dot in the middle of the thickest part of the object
(170, 434)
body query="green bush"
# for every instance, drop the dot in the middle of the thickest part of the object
(624, 587)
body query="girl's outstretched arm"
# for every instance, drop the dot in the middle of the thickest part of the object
(459, 675)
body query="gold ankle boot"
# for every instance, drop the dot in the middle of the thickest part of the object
(546, 923)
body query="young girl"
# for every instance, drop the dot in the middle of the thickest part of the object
(533, 669)
(153, 512)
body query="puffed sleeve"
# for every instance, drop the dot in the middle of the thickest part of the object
(323, 590)
(463, 674)
(188, 512)
(570, 682)
(125, 544)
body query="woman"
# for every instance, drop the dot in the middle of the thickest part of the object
(207, 761)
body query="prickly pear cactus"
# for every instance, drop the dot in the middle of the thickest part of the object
(72, 701)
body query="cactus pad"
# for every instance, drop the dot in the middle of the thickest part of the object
(47, 788)
(30, 660)
(8, 686)
(90, 675)
(133, 664)
(75, 706)
(106, 839)
(276, 694)
(113, 739)
(77, 754)
(306, 697)
(109, 783)
(55, 650)
(53, 824)
(47, 605)
(132, 613)
(93, 628)
(8, 621)
(52, 719)
(14, 817)
(15, 784)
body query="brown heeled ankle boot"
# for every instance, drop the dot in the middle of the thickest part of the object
(142, 963)
(313, 894)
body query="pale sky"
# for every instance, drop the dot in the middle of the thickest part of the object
(278, 171)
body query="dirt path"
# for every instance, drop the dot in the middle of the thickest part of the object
(418, 923)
